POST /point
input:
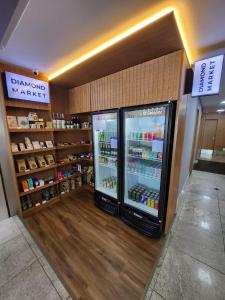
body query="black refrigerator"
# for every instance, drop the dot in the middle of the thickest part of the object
(147, 137)
(106, 147)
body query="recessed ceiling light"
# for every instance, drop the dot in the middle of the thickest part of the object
(223, 102)
(220, 110)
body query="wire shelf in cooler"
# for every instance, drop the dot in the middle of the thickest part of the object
(107, 156)
(137, 140)
(142, 207)
(143, 158)
(108, 192)
(107, 166)
(143, 175)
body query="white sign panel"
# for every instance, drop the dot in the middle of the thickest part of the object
(207, 76)
(26, 88)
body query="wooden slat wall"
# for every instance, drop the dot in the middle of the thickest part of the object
(176, 160)
(154, 81)
(79, 99)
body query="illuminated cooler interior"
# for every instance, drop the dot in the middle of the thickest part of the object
(105, 158)
(144, 140)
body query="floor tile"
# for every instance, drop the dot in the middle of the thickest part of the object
(32, 243)
(54, 279)
(202, 250)
(19, 223)
(148, 294)
(222, 207)
(184, 278)
(156, 296)
(32, 283)
(8, 230)
(15, 255)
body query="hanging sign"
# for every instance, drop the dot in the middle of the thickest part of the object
(207, 75)
(26, 88)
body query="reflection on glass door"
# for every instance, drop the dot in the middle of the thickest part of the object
(144, 140)
(105, 153)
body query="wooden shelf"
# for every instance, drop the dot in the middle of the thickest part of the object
(27, 105)
(71, 129)
(35, 209)
(49, 149)
(19, 130)
(33, 151)
(38, 170)
(39, 188)
(69, 177)
(71, 146)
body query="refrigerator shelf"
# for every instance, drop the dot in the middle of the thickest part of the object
(140, 206)
(109, 192)
(108, 166)
(107, 156)
(134, 140)
(148, 159)
(143, 175)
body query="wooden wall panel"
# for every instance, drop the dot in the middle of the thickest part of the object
(220, 135)
(59, 99)
(154, 81)
(79, 99)
(176, 160)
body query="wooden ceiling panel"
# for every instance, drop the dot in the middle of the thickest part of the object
(157, 39)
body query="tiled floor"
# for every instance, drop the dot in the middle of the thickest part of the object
(192, 265)
(24, 272)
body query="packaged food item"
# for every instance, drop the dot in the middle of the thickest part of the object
(30, 183)
(28, 143)
(36, 145)
(14, 147)
(41, 161)
(12, 122)
(49, 144)
(22, 147)
(32, 163)
(21, 165)
(22, 122)
(25, 186)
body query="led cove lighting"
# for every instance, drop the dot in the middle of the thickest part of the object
(124, 35)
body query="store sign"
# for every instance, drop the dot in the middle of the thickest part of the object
(26, 88)
(207, 75)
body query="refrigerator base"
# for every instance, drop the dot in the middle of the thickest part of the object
(107, 205)
(141, 223)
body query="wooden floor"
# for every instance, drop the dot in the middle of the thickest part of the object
(97, 256)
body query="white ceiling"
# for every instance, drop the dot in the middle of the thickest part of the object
(53, 32)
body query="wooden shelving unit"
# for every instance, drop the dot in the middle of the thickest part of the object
(76, 138)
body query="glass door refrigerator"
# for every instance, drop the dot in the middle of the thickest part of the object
(105, 126)
(146, 156)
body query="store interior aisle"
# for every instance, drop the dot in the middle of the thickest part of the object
(192, 265)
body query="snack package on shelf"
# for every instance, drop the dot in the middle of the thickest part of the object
(21, 165)
(32, 163)
(50, 159)
(41, 161)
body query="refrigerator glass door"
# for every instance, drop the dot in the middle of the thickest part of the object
(105, 153)
(144, 143)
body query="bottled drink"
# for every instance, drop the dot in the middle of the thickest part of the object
(54, 122)
(63, 121)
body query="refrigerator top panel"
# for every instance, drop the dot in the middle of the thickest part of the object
(144, 145)
(105, 153)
